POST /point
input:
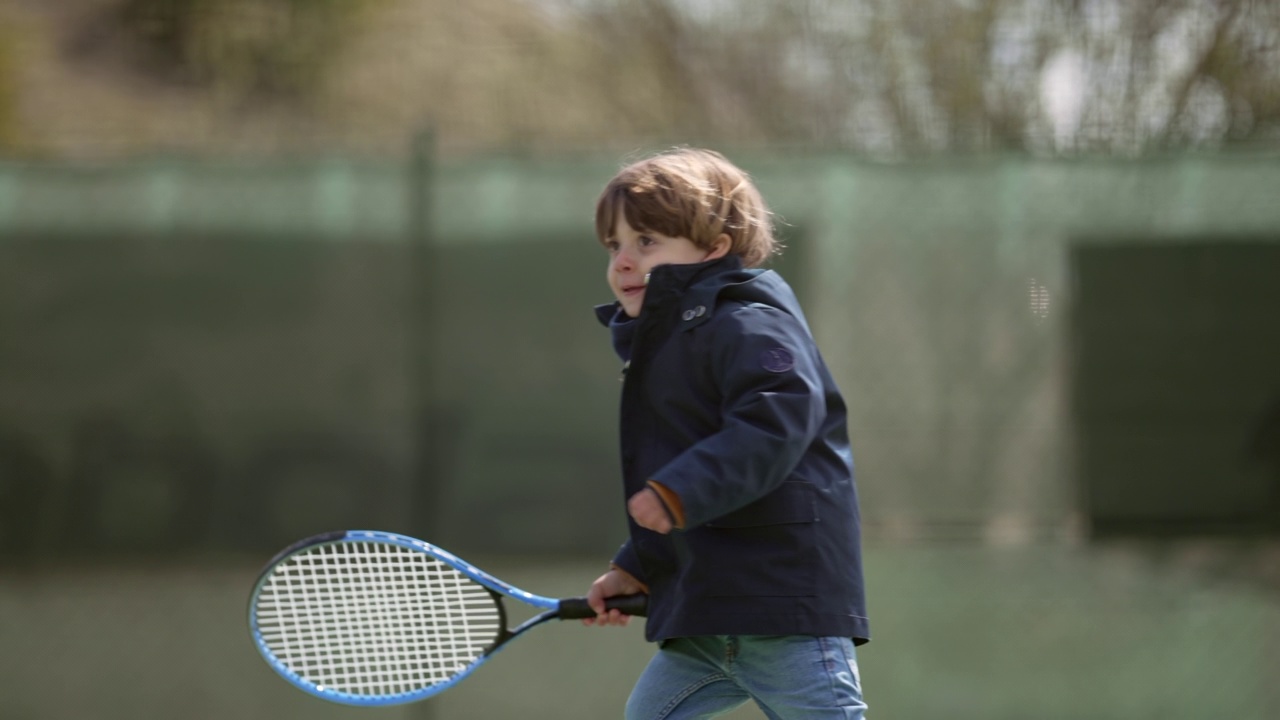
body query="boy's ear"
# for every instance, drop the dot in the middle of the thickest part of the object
(719, 247)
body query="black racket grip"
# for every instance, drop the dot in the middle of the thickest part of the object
(577, 608)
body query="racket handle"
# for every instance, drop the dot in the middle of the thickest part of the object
(577, 608)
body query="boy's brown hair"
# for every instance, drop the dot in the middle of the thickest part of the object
(690, 193)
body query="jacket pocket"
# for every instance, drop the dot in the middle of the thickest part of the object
(793, 502)
(763, 549)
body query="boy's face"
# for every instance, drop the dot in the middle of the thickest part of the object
(634, 254)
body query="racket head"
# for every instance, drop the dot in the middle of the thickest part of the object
(368, 618)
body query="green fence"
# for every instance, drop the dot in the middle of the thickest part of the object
(1057, 373)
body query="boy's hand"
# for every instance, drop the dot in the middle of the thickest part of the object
(646, 508)
(614, 582)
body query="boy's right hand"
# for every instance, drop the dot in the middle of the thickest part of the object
(614, 582)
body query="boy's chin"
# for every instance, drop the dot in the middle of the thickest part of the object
(630, 306)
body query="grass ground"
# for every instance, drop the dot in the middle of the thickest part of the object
(1036, 633)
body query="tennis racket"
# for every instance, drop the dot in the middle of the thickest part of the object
(373, 618)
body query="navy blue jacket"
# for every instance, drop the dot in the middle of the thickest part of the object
(727, 402)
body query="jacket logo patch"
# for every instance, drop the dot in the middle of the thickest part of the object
(777, 360)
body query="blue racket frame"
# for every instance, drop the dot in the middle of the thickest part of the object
(549, 605)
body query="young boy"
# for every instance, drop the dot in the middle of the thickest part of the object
(735, 457)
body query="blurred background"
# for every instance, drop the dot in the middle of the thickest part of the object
(275, 267)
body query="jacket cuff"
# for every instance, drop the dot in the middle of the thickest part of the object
(672, 502)
(643, 587)
(626, 561)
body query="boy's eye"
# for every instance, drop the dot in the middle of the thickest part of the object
(645, 240)
(611, 245)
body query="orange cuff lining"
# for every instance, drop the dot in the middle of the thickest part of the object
(671, 500)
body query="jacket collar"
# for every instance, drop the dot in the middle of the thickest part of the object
(699, 283)
(700, 286)
(668, 279)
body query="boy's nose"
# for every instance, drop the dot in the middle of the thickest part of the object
(623, 262)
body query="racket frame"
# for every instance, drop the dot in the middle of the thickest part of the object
(497, 588)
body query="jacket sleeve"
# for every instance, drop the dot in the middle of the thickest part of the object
(627, 561)
(766, 369)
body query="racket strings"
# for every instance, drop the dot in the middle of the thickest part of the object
(374, 619)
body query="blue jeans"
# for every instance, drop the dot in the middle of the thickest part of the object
(790, 677)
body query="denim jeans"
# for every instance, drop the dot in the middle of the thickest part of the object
(790, 677)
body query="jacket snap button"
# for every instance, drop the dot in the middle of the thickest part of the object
(688, 315)
(700, 311)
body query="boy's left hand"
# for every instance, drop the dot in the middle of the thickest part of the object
(646, 508)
